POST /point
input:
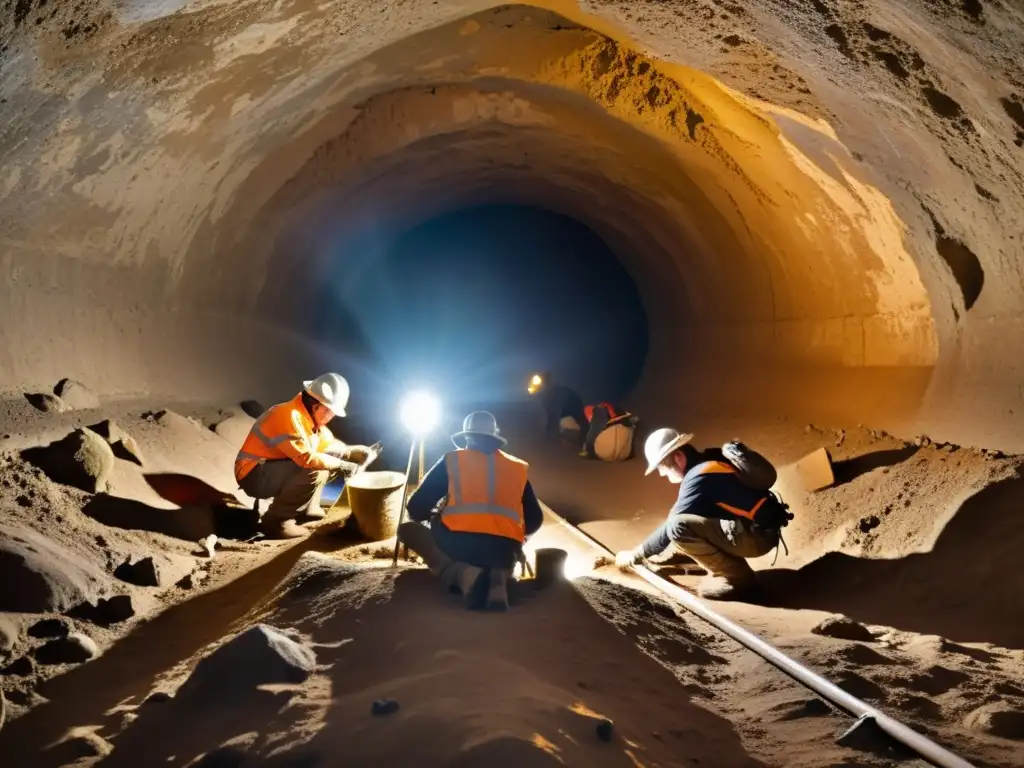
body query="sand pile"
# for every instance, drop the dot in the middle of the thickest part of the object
(100, 510)
(913, 545)
(471, 689)
(348, 637)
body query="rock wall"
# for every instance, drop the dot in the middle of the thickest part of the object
(821, 202)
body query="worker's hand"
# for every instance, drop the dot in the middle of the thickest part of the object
(358, 454)
(627, 558)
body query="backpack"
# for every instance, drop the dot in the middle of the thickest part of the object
(756, 472)
(753, 469)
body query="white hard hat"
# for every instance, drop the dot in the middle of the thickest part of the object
(478, 424)
(331, 390)
(661, 443)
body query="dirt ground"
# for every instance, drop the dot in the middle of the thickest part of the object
(914, 542)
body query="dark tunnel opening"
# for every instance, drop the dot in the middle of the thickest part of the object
(471, 303)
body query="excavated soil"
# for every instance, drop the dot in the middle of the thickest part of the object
(530, 687)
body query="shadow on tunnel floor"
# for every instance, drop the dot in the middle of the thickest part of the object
(967, 588)
(90, 693)
(473, 688)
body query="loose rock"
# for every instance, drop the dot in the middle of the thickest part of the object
(997, 719)
(82, 460)
(10, 631)
(384, 707)
(158, 697)
(121, 443)
(152, 572)
(258, 656)
(605, 729)
(73, 649)
(46, 402)
(49, 628)
(843, 628)
(115, 609)
(38, 575)
(76, 395)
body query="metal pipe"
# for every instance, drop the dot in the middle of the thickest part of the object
(405, 493)
(923, 746)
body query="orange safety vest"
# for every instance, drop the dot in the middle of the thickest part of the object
(284, 422)
(723, 468)
(588, 411)
(485, 493)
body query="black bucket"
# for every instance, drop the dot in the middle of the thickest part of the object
(550, 566)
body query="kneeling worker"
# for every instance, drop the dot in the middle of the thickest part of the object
(609, 433)
(489, 509)
(724, 514)
(290, 455)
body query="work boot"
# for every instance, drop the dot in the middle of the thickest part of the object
(283, 529)
(420, 540)
(467, 580)
(497, 590)
(729, 577)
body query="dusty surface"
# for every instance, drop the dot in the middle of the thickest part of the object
(821, 203)
(824, 195)
(941, 648)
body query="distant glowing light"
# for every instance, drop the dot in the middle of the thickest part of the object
(420, 412)
(535, 384)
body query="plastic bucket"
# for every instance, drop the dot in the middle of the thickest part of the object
(376, 502)
(550, 566)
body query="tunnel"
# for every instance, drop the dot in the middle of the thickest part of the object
(176, 182)
(796, 221)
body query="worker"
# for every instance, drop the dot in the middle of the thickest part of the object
(290, 455)
(724, 514)
(559, 401)
(488, 510)
(609, 433)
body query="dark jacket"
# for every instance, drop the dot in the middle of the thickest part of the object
(480, 549)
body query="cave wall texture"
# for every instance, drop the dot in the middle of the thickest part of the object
(822, 201)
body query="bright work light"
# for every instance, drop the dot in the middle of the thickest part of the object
(535, 384)
(419, 412)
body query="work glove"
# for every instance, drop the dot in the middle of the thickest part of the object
(627, 558)
(360, 454)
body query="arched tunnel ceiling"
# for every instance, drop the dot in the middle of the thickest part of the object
(825, 195)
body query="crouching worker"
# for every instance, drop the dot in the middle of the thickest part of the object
(289, 455)
(609, 433)
(487, 511)
(724, 514)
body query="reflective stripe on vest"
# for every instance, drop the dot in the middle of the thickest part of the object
(282, 423)
(722, 468)
(485, 493)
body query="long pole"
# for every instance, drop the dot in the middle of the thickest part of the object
(423, 450)
(405, 494)
(925, 747)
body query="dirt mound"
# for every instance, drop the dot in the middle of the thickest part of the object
(38, 575)
(472, 689)
(258, 656)
(83, 460)
(76, 395)
(235, 429)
